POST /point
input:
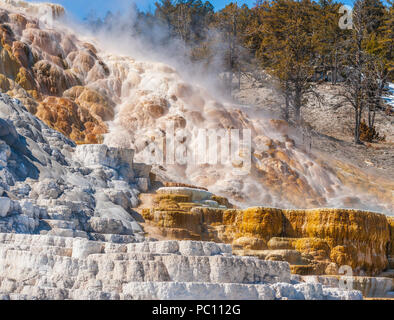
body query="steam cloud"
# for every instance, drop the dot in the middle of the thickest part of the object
(152, 84)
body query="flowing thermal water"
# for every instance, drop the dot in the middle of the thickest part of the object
(150, 97)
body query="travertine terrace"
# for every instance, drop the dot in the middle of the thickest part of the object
(85, 215)
(91, 95)
(68, 230)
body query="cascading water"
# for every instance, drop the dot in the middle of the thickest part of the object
(140, 101)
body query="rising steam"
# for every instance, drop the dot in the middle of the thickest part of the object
(153, 86)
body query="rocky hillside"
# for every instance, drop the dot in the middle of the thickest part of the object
(34, 69)
(90, 94)
(81, 219)
(49, 184)
(324, 238)
(328, 130)
(47, 267)
(313, 242)
(68, 230)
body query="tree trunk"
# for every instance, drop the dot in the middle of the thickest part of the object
(335, 69)
(297, 105)
(287, 103)
(357, 126)
(239, 78)
(231, 82)
(373, 119)
(286, 111)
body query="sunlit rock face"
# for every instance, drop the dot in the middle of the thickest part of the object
(169, 270)
(317, 241)
(68, 230)
(53, 191)
(45, 68)
(92, 95)
(50, 186)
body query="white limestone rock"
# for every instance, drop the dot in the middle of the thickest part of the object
(48, 267)
(83, 248)
(102, 155)
(69, 232)
(5, 205)
(49, 177)
(28, 208)
(47, 189)
(196, 194)
(369, 286)
(227, 291)
(185, 248)
(5, 153)
(143, 184)
(197, 291)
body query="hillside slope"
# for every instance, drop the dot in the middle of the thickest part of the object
(68, 230)
(81, 219)
(91, 94)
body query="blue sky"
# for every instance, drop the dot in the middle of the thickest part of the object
(81, 8)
